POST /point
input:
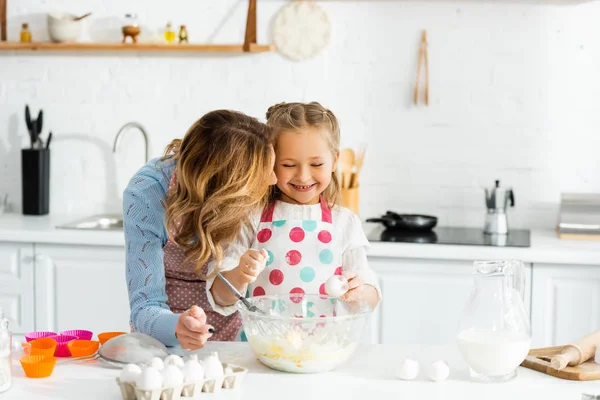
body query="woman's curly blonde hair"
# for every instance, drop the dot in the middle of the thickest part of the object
(297, 116)
(223, 167)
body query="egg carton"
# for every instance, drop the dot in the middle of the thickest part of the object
(231, 380)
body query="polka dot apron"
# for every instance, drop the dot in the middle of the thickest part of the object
(302, 254)
(185, 288)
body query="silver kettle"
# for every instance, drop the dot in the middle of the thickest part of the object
(497, 200)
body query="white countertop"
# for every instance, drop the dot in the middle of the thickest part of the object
(545, 246)
(369, 375)
(42, 229)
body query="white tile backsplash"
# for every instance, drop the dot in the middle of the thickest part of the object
(513, 96)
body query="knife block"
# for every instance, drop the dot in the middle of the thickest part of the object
(35, 176)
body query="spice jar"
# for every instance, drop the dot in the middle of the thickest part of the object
(5, 354)
(25, 34)
(183, 34)
(169, 34)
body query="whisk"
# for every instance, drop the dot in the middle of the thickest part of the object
(264, 327)
(243, 299)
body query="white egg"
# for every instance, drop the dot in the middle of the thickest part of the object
(157, 363)
(149, 379)
(193, 371)
(408, 370)
(336, 286)
(438, 371)
(212, 366)
(172, 376)
(228, 370)
(129, 373)
(175, 360)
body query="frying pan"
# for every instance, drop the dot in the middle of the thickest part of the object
(415, 222)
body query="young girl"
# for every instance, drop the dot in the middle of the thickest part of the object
(302, 237)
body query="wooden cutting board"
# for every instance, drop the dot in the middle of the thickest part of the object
(539, 360)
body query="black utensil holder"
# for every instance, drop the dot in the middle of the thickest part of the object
(35, 175)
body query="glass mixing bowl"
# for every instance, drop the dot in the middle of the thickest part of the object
(304, 333)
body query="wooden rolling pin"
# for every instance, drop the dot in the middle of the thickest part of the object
(576, 353)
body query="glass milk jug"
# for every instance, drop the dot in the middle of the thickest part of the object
(5, 354)
(494, 334)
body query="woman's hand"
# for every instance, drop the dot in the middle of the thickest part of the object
(252, 263)
(191, 329)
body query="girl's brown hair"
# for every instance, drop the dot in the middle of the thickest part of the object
(223, 167)
(297, 116)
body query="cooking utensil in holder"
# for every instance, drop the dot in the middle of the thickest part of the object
(35, 175)
(350, 198)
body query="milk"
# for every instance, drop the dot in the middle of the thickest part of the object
(493, 353)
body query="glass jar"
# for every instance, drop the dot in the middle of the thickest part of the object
(5, 354)
(494, 335)
(169, 34)
(25, 34)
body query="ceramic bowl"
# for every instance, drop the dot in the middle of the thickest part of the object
(62, 28)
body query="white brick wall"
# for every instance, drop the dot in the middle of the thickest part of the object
(514, 96)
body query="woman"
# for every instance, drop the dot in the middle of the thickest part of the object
(180, 211)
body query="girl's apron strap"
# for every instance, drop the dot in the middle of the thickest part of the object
(325, 211)
(267, 215)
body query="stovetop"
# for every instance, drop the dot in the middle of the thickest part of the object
(454, 236)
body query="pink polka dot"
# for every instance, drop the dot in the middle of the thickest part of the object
(324, 236)
(276, 277)
(293, 257)
(264, 235)
(258, 291)
(297, 234)
(294, 295)
(338, 271)
(322, 292)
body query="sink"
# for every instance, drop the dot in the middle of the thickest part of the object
(106, 222)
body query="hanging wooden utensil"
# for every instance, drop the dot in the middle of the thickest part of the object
(3, 20)
(358, 163)
(347, 161)
(423, 59)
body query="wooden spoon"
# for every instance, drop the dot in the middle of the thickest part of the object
(347, 161)
(360, 157)
(82, 17)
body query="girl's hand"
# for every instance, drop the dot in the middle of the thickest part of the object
(191, 329)
(252, 262)
(356, 287)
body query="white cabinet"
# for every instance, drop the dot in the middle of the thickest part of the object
(565, 304)
(424, 299)
(16, 285)
(81, 287)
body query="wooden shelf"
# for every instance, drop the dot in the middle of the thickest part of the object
(128, 47)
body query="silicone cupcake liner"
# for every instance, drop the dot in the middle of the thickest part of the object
(190, 390)
(38, 366)
(37, 335)
(43, 347)
(62, 350)
(26, 347)
(82, 348)
(105, 336)
(80, 333)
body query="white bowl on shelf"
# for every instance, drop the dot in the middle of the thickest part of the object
(62, 27)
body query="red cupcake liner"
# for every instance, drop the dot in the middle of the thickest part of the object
(62, 350)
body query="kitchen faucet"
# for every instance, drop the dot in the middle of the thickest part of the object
(132, 125)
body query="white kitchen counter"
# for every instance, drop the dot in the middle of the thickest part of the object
(545, 246)
(370, 375)
(42, 229)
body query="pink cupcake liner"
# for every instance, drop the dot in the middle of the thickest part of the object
(81, 334)
(62, 350)
(38, 335)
